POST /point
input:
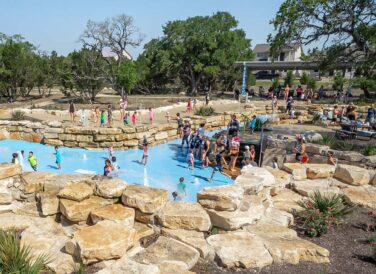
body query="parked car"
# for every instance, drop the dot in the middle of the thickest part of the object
(264, 74)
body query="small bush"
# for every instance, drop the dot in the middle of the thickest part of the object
(18, 115)
(320, 213)
(17, 259)
(204, 111)
(369, 150)
(328, 140)
(343, 145)
(316, 118)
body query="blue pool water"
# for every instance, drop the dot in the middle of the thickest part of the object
(166, 164)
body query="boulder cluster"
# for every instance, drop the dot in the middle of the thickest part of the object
(122, 228)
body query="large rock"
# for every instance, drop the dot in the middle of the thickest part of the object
(146, 199)
(251, 184)
(49, 203)
(142, 230)
(9, 170)
(298, 171)
(315, 171)
(105, 240)
(250, 210)
(116, 213)
(59, 182)
(190, 237)
(278, 217)
(13, 221)
(48, 239)
(110, 187)
(240, 249)
(76, 192)
(34, 181)
(309, 187)
(352, 175)
(168, 250)
(221, 198)
(79, 211)
(286, 200)
(268, 178)
(267, 228)
(361, 195)
(184, 215)
(292, 250)
(5, 193)
(126, 265)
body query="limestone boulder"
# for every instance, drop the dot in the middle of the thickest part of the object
(76, 192)
(298, 171)
(250, 210)
(312, 136)
(48, 203)
(279, 217)
(60, 181)
(184, 215)
(9, 170)
(126, 265)
(361, 195)
(145, 218)
(190, 237)
(309, 187)
(167, 250)
(105, 240)
(49, 240)
(315, 171)
(110, 187)
(251, 184)
(286, 200)
(142, 230)
(293, 250)
(26, 208)
(4, 134)
(221, 198)
(174, 267)
(267, 228)
(13, 221)
(6, 197)
(116, 213)
(80, 211)
(34, 181)
(146, 199)
(240, 249)
(268, 178)
(352, 175)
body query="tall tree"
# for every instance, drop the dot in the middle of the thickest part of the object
(199, 49)
(113, 37)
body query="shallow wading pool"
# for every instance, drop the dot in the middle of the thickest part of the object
(166, 164)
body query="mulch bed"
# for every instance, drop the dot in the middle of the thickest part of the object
(349, 253)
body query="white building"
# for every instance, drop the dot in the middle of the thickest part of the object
(291, 52)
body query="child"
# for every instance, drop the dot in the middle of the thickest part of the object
(83, 117)
(218, 164)
(110, 152)
(15, 158)
(190, 160)
(109, 115)
(181, 189)
(331, 160)
(134, 118)
(96, 115)
(125, 119)
(58, 157)
(115, 166)
(275, 163)
(145, 156)
(189, 107)
(246, 156)
(151, 115)
(180, 125)
(253, 124)
(107, 168)
(32, 161)
(102, 118)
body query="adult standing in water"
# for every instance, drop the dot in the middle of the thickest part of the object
(72, 110)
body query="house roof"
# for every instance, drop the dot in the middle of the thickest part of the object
(261, 48)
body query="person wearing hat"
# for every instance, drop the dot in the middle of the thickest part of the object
(299, 149)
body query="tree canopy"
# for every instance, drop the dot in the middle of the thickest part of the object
(199, 51)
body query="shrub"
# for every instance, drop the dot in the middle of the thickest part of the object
(369, 150)
(343, 145)
(304, 79)
(316, 118)
(18, 115)
(321, 213)
(17, 259)
(204, 111)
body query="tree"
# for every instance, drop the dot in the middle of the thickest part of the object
(199, 50)
(114, 36)
(83, 74)
(127, 77)
(289, 79)
(339, 81)
(346, 28)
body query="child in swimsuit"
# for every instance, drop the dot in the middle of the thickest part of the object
(107, 168)
(145, 156)
(103, 118)
(134, 118)
(125, 119)
(190, 160)
(151, 116)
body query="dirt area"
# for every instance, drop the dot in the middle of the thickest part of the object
(349, 253)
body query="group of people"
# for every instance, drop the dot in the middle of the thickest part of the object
(18, 158)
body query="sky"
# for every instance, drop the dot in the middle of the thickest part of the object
(57, 24)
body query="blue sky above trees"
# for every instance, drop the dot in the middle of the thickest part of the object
(57, 25)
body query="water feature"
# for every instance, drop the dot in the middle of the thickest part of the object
(166, 164)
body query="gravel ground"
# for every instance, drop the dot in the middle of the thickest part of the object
(348, 253)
